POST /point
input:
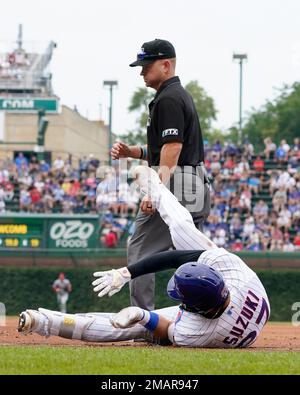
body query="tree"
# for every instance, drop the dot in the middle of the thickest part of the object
(141, 98)
(204, 105)
(139, 104)
(278, 119)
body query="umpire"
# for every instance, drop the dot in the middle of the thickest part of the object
(175, 149)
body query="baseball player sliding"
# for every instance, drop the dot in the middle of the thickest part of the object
(222, 303)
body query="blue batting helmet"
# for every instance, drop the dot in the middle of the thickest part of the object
(198, 286)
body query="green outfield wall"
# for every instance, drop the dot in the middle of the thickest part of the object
(23, 288)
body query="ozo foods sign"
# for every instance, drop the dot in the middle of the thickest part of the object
(28, 105)
(72, 234)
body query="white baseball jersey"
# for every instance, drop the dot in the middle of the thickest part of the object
(243, 318)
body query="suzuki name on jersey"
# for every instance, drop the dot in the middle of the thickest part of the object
(170, 132)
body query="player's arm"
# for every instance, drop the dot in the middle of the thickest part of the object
(112, 281)
(161, 327)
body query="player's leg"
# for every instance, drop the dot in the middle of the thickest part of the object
(94, 327)
(63, 302)
(58, 297)
(185, 236)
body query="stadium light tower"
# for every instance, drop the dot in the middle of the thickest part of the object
(240, 57)
(111, 84)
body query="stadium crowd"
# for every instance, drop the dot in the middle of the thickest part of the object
(32, 186)
(255, 198)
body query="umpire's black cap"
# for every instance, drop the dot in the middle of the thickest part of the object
(154, 50)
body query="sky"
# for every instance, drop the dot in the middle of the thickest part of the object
(96, 40)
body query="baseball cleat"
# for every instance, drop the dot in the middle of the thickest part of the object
(25, 322)
(146, 177)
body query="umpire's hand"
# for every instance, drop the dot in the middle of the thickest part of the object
(147, 206)
(120, 150)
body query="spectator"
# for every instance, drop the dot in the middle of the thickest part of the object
(2, 206)
(273, 182)
(109, 239)
(215, 166)
(253, 243)
(68, 204)
(8, 192)
(296, 146)
(270, 148)
(58, 165)
(279, 199)
(276, 245)
(93, 163)
(245, 199)
(288, 246)
(229, 163)
(296, 240)
(39, 183)
(44, 167)
(293, 165)
(35, 197)
(258, 165)
(22, 163)
(260, 211)
(237, 245)
(276, 233)
(248, 228)
(284, 219)
(254, 184)
(33, 165)
(243, 166)
(83, 165)
(48, 201)
(281, 154)
(217, 148)
(58, 194)
(25, 200)
(285, 146)
(248, 149)
(25, 180)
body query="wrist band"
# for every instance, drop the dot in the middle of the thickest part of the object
(143, 153)
(152, 323)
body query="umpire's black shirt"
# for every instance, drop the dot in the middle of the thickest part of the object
(173, 117)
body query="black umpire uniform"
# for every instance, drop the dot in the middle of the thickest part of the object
(172, 118)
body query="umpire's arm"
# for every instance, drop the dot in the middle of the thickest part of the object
(169, 156)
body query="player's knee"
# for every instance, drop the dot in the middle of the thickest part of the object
(69, 326)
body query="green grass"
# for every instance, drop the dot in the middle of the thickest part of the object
(149, 360)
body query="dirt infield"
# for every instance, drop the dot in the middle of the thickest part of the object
(274, 337)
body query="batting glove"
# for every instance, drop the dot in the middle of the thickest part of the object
(111, 281)
(127, 317)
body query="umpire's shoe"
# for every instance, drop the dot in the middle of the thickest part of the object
(26, 322)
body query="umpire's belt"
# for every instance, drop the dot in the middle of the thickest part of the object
(195, 170)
